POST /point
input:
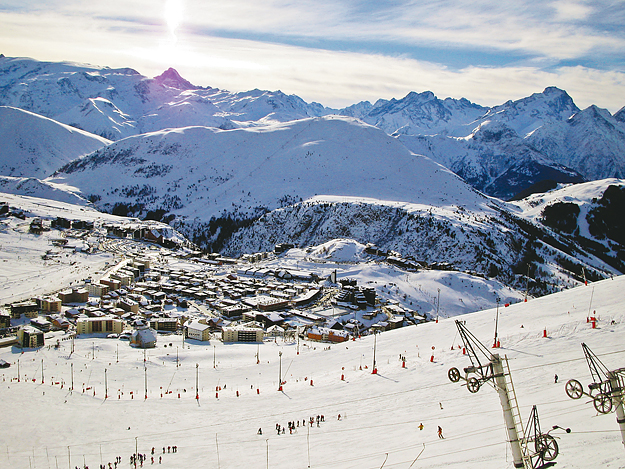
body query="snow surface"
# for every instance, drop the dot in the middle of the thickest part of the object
(27, 274)
(380, 413)
(210, 171)
(580, 194)
(117, 103)
(35, 146)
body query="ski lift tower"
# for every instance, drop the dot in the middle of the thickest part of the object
(541, 448)
(487, 367)
(606, 390)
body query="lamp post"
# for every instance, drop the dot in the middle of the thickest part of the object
(197, 381)
(280, 372)
(375, 343)
(438, 302)
(496, 342)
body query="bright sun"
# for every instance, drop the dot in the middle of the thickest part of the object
(174, 12)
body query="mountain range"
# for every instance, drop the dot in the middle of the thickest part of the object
(240, 172)
(500, 150)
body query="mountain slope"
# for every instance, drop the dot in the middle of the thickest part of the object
(202, 172)
(313, 180)
(592, 142)
(493, 159)
(590, 213)
(366, 435)
(507, 148)
(35, 146)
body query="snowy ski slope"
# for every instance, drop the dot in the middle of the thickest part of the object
(46, 425)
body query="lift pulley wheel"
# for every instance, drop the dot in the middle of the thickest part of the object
(454, 375)
(574, 389)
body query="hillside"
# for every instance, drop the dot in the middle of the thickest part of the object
(589, 213)
(255, 173)
(200, 173)
(507, 148)
(34, 146)
(331, 177)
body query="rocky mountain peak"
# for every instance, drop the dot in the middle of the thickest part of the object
(172, 78)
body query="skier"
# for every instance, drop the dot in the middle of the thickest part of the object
(555, 379)
(260, 431)
(440, 432)
(421, 426)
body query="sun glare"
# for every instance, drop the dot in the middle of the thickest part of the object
(173, 12)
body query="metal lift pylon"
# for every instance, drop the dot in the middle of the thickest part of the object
(606, 390)
(541, 448)
(531, 449)
(491, 368)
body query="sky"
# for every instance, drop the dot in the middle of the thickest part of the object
(340, 52)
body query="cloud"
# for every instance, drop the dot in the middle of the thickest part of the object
(567, 10)
(343, 51)
(341, 78)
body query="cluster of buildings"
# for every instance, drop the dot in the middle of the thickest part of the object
(137, 299)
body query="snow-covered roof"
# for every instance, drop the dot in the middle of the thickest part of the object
(197, 326)
(144, 336)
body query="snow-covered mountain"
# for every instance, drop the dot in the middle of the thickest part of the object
(591, 141)
(418, 114)
(203, 173)
(500, 150)
(34, 187)
(493, 159)
(35, 146)
(591, 213)
(178, 396)
(116, 103)
(507, 148)
(310, 181)
(259, 170)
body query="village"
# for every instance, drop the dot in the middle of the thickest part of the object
(155, 290)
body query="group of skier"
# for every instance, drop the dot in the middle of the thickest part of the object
(292, 426)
